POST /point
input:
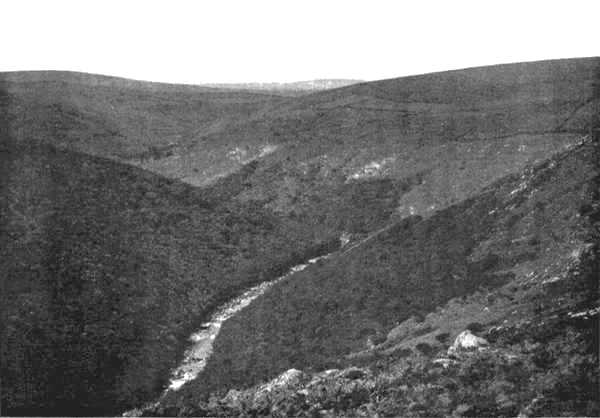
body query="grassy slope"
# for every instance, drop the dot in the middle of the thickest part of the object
(439, 138)
(524, 223)
(455, 132)
(107, 269)
(117, 118)
(188, 132)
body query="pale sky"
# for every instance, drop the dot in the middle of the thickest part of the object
(280, 40)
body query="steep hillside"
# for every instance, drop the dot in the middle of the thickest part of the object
(343, 160)
(389, 128)
(517, 263)
(107, 268)
(452, 132)
(116, 118)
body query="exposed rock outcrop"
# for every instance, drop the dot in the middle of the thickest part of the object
(287, 380)
(467, 341)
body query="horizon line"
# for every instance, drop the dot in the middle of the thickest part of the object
(353, 80)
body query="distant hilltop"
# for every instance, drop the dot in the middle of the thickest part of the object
(311, 85)
(73, 77)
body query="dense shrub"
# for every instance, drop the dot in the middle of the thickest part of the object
(475, 327)
(107, 269)
(425, 348)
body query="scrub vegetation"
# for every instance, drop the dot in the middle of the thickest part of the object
(130, 211)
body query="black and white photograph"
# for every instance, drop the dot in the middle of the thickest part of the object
(316, 208)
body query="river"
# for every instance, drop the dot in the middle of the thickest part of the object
(202, 340)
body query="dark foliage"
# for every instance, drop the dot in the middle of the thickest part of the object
(107, 269)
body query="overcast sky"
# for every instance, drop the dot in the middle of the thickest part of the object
(243, 41)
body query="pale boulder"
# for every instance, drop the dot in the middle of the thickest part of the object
(467, 341)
